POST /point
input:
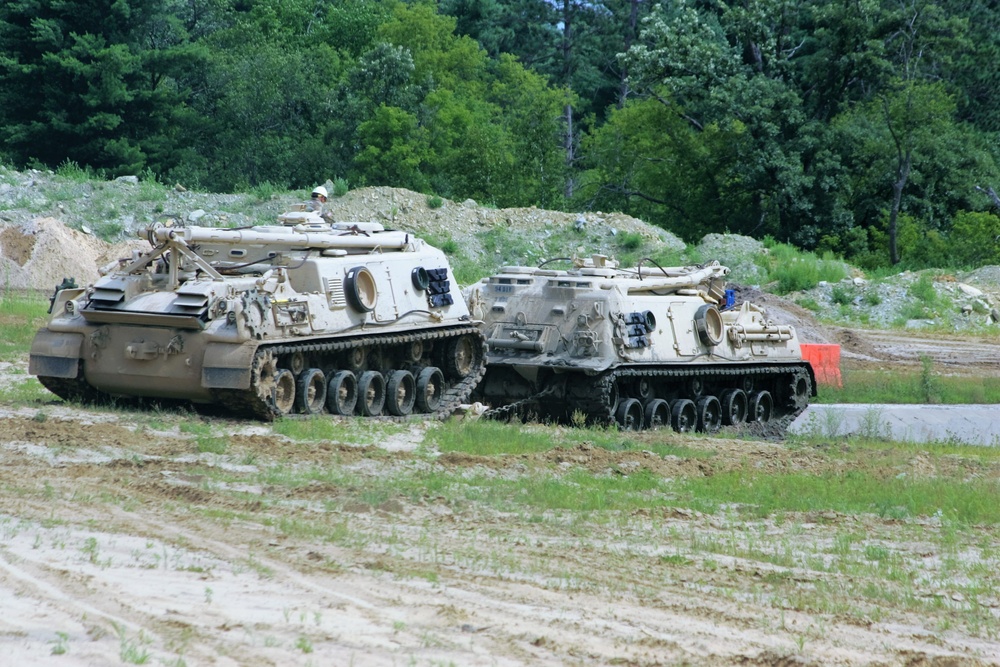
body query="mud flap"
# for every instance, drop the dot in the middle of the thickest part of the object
(227, 366)
(55, 354)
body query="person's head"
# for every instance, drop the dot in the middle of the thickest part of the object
(319, 193)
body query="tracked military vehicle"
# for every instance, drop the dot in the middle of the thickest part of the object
(303, 316)
(646, 347)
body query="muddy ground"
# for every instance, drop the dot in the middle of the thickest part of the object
(125, 542)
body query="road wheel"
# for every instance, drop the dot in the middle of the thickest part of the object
(761, 407)
(629, 415)
(657, 414)
(709, 414)
(734, 406)
(400, 393)
(683, 416)
(430, 389)
(371, 393)
(342, 393)
(311, 391)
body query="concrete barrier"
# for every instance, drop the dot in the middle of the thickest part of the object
(964, 424)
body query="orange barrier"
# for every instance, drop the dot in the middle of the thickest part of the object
(825, 360)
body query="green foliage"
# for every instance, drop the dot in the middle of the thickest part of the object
(928, 382)
(923, 289)
(433, 201)
(975, 239)
(698, 119)
(629, 241)
(795, 271)
(74, 172)
(340, 187)
(841, 295)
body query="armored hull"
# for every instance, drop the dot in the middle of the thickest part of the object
(302, 317)
(647, 347)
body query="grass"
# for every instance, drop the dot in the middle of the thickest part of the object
(794, 270)
(21, 315)
(918, 386)
(969, 502)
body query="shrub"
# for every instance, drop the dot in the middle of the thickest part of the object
(433, 201)
(340, 187)
(265, 191)
(841, 295)
(74, 172)
(923, 290)
(872, 298)
(629, 240)
(796, 271)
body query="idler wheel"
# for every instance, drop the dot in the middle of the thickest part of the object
(311, 391)
(801, 390)
(283, 392)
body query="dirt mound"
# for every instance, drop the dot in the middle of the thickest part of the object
(43, 252)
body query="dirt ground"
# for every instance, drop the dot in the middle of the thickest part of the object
(118, 548)
(122, 544)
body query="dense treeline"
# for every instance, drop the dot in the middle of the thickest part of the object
(863, 127)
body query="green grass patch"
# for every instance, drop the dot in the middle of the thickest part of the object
(875, 386)
(27, 391)
(492, 438)
(969, 502)
(488, 438)
(21, 315)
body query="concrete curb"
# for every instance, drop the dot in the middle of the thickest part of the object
(963, 424)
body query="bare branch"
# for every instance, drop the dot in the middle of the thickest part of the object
(991, 193)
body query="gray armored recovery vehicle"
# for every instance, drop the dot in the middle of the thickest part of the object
(645, 347)
(303, 316)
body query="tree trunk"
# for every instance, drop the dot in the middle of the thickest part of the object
(903, 174)
(567, 55)
(630, 31)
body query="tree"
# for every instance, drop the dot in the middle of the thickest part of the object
(92, 81)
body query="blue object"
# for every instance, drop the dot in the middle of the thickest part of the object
(730, 299)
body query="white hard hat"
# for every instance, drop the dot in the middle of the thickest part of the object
(320, 190)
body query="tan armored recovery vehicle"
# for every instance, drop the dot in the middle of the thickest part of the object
(645, 347)
(303, 317)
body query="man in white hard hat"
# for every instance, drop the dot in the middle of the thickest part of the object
(317, 202)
